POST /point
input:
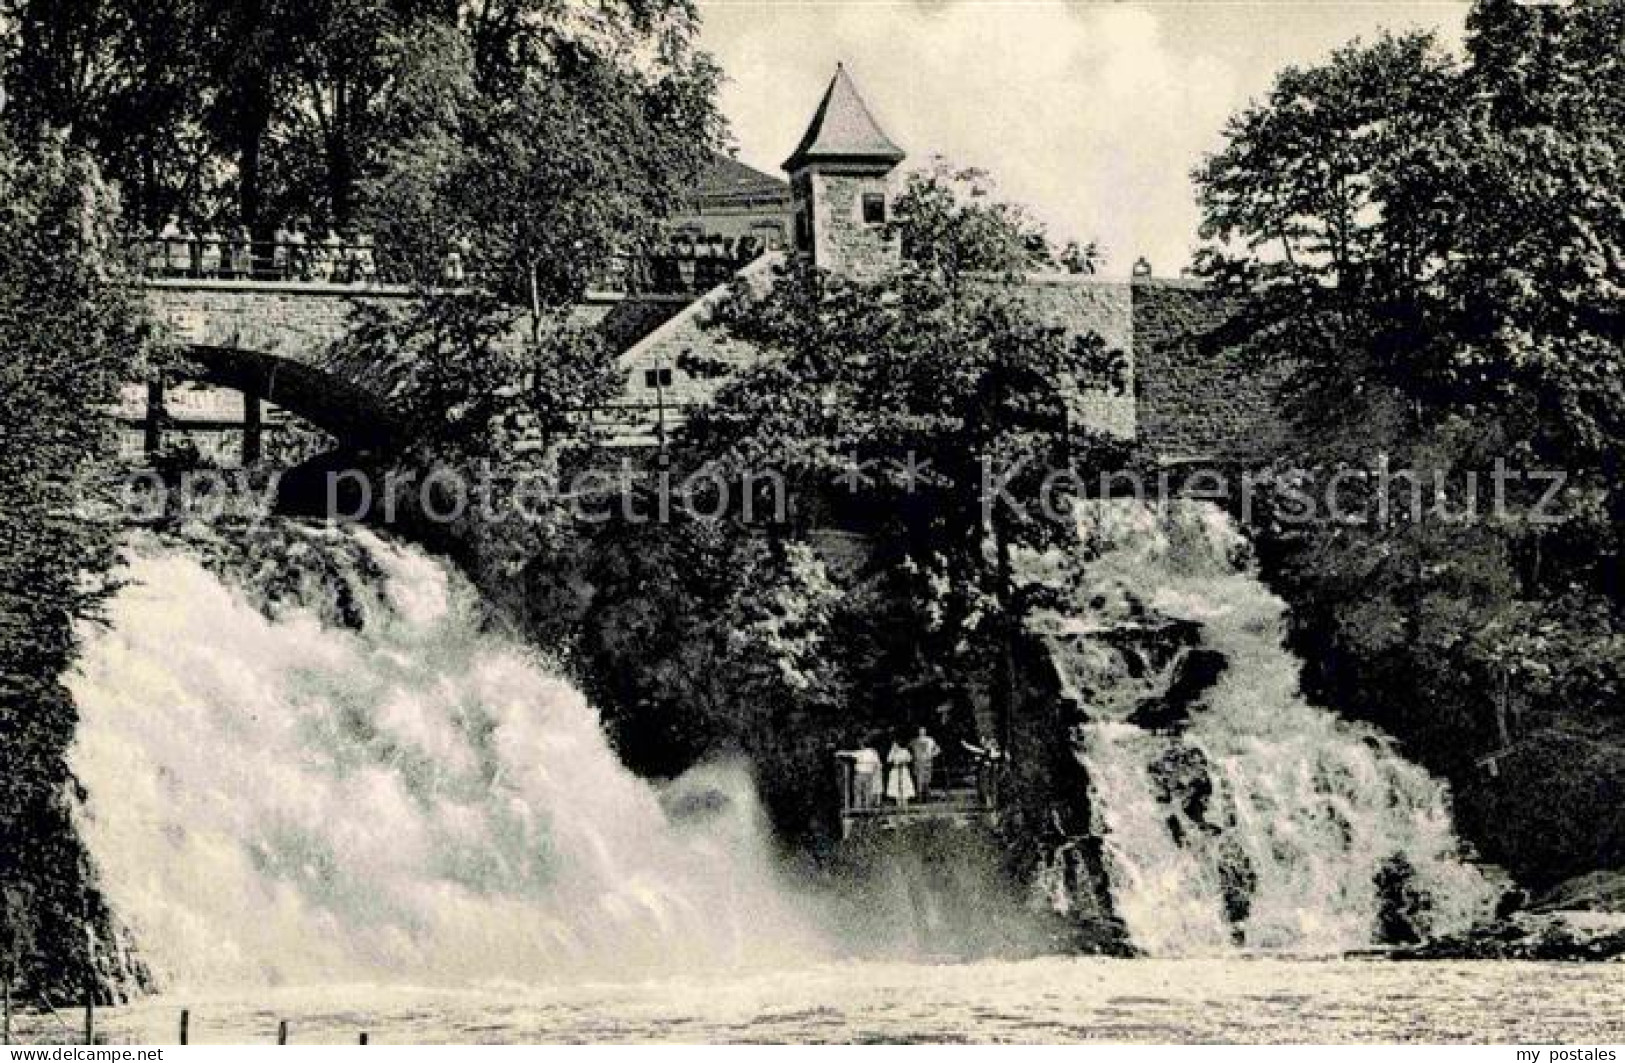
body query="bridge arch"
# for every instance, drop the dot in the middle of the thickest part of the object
(281, 343)
(355, 415)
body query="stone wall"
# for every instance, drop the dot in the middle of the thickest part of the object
(294, 320)
(1197, 401)
(278, 340)
(842, 241)
(1079, 304)
(653, 368)
(1084, 305)
(281, 341)
(1189, 400)
(299, 321)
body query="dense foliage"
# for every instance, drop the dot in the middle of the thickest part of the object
(70, 334)
(898, 408)
(948, 220)
(1436, 249)
(539, 130)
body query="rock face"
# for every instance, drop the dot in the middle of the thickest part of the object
(1581, 919)
(1195, 673)
(1531, 936)
(1598, 891)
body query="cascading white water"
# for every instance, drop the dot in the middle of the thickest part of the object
(1263, 821)
(274, 798)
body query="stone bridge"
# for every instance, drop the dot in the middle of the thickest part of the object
(279, 342)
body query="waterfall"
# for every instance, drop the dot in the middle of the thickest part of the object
(1257, 820)
(293, 779)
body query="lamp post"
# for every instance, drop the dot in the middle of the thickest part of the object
(660, 404)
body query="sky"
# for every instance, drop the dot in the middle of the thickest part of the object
(1091, 113)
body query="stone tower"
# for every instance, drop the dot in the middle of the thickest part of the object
(838, 185)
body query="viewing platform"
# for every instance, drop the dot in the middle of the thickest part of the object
(964, 793)
(267, 318)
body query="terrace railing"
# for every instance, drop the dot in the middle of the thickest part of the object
(963, 787)
(228, 258)
(675, 270)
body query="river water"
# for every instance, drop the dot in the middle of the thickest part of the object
(1238, 999)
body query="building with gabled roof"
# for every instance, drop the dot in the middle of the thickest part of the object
(1189, 401)
(734, 202)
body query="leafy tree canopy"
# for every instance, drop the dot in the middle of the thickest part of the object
(884, 406)
(539, 130)
(1434, 250)
(949, 221)
(71, 332)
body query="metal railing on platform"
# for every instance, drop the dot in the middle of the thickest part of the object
(188, 257)
(678, 269)
(961, 786)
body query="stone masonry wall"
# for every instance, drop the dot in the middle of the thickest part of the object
(843, 242)
(278, 340)
(1084, 305)
(663, 351)
(293, 321)
(1197, 402)
(1079, 304)
(1187, 402)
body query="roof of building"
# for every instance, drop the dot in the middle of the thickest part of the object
(843, 130)
(728, 178)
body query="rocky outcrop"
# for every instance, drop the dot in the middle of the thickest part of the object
(1581, 919)
(1598, 891)
(1195, 673)
(1531, 936)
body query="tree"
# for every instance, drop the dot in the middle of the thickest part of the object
(543, 186)
(257, 112)
(733, 642)
(71, 332)
(941, 366)
(947, 221)
(472, 380)
(882, 406)
(122, 81)
(17, 926)
(1434, 252)
(937, 400)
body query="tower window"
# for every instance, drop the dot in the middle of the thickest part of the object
(657, 378)
(874, 208)
(803, 231)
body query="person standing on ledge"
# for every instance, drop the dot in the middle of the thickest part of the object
(241, 263)
(865, 768)
(925, 750)
(209, 246)
(899, 776)
(299, 261)
(177, 244)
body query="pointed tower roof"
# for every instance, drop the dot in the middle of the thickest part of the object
(843, 130)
